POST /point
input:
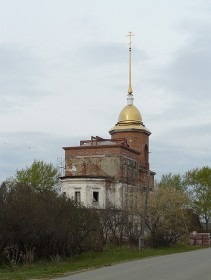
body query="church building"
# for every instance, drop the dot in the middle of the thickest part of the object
(109, 172)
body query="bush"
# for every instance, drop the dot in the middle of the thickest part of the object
(36, 225)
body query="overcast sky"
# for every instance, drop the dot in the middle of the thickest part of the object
(64, 77)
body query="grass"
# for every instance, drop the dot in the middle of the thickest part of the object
(89, 260)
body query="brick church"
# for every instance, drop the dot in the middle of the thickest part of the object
(104, 172)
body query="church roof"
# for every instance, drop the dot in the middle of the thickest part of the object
(130, 118)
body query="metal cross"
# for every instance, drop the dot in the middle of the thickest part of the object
(130, 34)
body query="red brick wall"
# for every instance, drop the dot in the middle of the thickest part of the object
(100, 150)
(115, 161)
(137, 140)
(118, 161)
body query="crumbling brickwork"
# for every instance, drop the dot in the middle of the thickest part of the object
(137, 141)
(117, 162)
(110, 171)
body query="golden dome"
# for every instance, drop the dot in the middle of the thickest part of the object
(130, 114)
(130, 119)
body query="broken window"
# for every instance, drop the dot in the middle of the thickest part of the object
(77, 197)
(95, 196)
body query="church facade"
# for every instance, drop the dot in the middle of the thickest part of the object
(109, 172)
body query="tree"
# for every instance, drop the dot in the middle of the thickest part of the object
(36, 225)
(113, 225)
(199, 180)
(167, 218)
(172, 180)
(39, 176)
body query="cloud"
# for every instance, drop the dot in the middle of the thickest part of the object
(181, 132)
(107, 54)
(181, 149)
(111, 53)
(188, 75)
(18, 150)
(20, 73)
(81, 86)
(186, 82)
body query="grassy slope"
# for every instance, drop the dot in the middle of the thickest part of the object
(85, 261)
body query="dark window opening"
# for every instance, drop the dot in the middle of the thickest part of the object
(77, 197)
(95, 196)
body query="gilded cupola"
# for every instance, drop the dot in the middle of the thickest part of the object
(130, 117)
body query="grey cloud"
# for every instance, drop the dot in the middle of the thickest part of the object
(181, 148)
(18, 150)
(189, 73)
(187, 79)
(167, 157)
(18, 66)
(192, 136)
(20, 73)
(103, 54)
(110, 54)
(15, 62)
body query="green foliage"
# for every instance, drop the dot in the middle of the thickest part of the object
(36, 222)
(199, 180)
(172, 181)
(167, 218)
(39, 176)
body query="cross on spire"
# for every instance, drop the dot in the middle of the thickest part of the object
(130, 34)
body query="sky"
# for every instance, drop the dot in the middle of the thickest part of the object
(64, 78)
